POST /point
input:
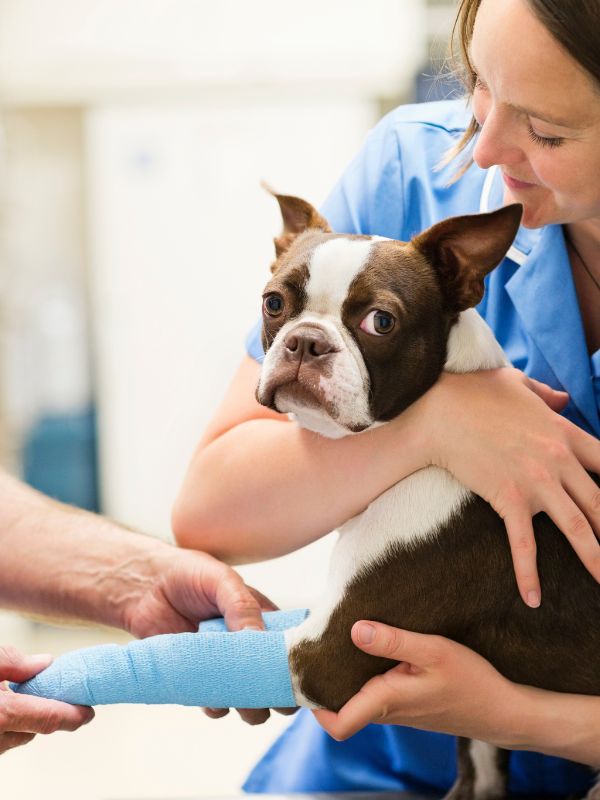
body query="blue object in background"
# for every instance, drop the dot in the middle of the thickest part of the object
(59, 458)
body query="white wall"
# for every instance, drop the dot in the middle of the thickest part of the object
(181, 237)
(83, 50)
(181, 234)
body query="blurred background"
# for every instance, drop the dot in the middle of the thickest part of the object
(134, 244)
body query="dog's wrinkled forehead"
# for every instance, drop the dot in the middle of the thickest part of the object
(332, 267)
(321, 267)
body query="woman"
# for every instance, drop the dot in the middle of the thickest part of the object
(534, 75)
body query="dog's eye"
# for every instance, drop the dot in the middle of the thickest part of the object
(273, 304)
(377, 323)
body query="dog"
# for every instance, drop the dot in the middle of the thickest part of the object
(355, 329)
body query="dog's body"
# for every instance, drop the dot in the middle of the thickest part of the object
(356, 329)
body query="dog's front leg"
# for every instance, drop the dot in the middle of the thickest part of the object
(594, 792)
(482, 772)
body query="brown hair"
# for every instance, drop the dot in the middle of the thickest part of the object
(575, 26)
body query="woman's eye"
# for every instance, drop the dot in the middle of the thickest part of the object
(545, 141)
(478, 83)
(377, 323)
(273, 304)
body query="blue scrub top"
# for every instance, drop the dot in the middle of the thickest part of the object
(394, 188)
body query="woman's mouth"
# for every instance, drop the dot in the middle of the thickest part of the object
(514, 183)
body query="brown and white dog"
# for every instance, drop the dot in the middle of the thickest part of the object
(356, 328)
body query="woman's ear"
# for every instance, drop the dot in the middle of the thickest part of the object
(463, 250)
(298, 216)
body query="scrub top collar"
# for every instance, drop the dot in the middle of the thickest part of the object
(544, 279)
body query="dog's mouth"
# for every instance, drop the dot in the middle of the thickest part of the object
(306, 392)
(295, 395)
(294, 386)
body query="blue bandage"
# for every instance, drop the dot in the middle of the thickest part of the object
(247, 669)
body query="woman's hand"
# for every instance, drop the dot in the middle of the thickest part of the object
(439, 686)
(498, 433)
(22, 716)
(442, 686)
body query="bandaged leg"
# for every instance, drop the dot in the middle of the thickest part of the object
(213, 667)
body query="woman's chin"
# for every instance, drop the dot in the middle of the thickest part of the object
(535, 215)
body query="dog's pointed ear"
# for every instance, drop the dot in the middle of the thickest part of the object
(298, 216)
(463, 250)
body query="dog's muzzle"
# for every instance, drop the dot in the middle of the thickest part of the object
(299, 362)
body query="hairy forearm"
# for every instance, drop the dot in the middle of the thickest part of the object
(267, 487)
(64, 563)
(563, 725)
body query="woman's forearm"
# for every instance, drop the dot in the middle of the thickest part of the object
(61, 562)
(563, 725)
(267, 487)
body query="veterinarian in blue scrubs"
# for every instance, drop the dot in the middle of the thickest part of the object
(394, 190)
(536, 102)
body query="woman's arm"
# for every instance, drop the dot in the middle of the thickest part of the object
(442, 686)
(259, 486)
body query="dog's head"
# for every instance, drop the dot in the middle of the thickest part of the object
(355, 328)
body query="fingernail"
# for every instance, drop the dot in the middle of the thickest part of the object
(252, 628)
(366, 633)
(533, 599)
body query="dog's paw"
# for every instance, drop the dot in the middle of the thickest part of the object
(463, 789)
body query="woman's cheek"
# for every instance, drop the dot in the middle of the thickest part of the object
(546, 171)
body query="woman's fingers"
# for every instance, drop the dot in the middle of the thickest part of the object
(365, 707)
(417, 649)
(519, 528)
(554, 399)
(586, 494)
(573, 522)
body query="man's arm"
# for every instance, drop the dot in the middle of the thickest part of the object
(61, 562)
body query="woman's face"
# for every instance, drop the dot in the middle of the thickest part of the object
(539, 114)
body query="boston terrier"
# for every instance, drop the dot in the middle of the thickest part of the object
(356, 328)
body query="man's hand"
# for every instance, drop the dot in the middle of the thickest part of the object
(191, 587)
(188, 587)
(22, 716)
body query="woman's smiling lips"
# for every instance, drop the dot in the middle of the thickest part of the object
(513, 183)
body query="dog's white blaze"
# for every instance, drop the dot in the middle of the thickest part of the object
(333, 266)
(412, 510)
(489, 781)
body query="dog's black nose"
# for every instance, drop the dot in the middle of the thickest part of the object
(306, 342)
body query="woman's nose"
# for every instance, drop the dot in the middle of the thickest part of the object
(495, 142)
